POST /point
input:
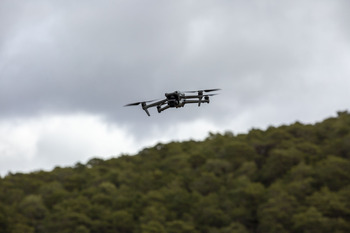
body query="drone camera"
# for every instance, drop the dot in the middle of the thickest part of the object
(172, 103)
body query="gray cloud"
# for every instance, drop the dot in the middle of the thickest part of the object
(94, 57)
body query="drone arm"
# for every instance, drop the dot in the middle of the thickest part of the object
(191, 96)
(145, 106)
(156, 103)
(196, 101)
(206, 100)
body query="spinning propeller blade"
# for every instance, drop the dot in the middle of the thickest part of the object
(210, 90)
(207, 90)
(137, 103)
(133, 104)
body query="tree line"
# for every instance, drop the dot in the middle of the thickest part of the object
(292, 178)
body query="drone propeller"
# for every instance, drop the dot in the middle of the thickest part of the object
(137, 103)
(207, 90)
(210, 90)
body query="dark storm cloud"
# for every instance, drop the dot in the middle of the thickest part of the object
(68, 67)
(94, 57)
(87, 57)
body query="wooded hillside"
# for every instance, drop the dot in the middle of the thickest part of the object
(292, 178)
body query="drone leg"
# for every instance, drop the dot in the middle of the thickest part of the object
(146, 110)
(160, 109)
(144, 107)
(200, 101)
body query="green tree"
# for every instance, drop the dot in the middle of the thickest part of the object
(152, 227)
(82, 229)
(206, 183)
(300, 181)
(21, 227)
(154, 212)
(208, 213)
(196, 160)
(33, 208)
(69, 214)
(4, 219)
(244, 196)
(329, 203)
(248, 169)
(235, 227)
(219, 167)
(122, 221)
(285, 179)
(311, 221)
(66, 221)
(275, 215)
(179, 226)
(333, 172)
(238, 152)
(52, 193)
(278, 164)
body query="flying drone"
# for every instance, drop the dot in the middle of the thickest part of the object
(176, 99)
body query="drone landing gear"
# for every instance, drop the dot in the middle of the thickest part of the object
(144, 107)
(160, 109)
(206, 98)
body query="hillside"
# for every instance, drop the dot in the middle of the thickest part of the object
(293, 178)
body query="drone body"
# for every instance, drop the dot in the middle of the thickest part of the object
(176, 99)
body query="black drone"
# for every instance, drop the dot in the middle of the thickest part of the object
(176, 99)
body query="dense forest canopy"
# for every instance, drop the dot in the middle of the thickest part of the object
(293, 178)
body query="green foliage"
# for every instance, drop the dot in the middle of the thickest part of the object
(4, 221)
(32, 207)
(179, 226)
(333, 172)
(275, 213)
(52, 193)
(152, 227)
(311, 221)
(279, 162)
(286, 179)
(20, 228)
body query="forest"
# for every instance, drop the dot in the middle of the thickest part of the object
(290, 178)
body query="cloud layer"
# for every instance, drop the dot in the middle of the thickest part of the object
(78, 63)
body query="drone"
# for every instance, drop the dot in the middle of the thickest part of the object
(176, 99)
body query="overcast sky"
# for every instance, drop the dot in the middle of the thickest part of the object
(67, 68)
